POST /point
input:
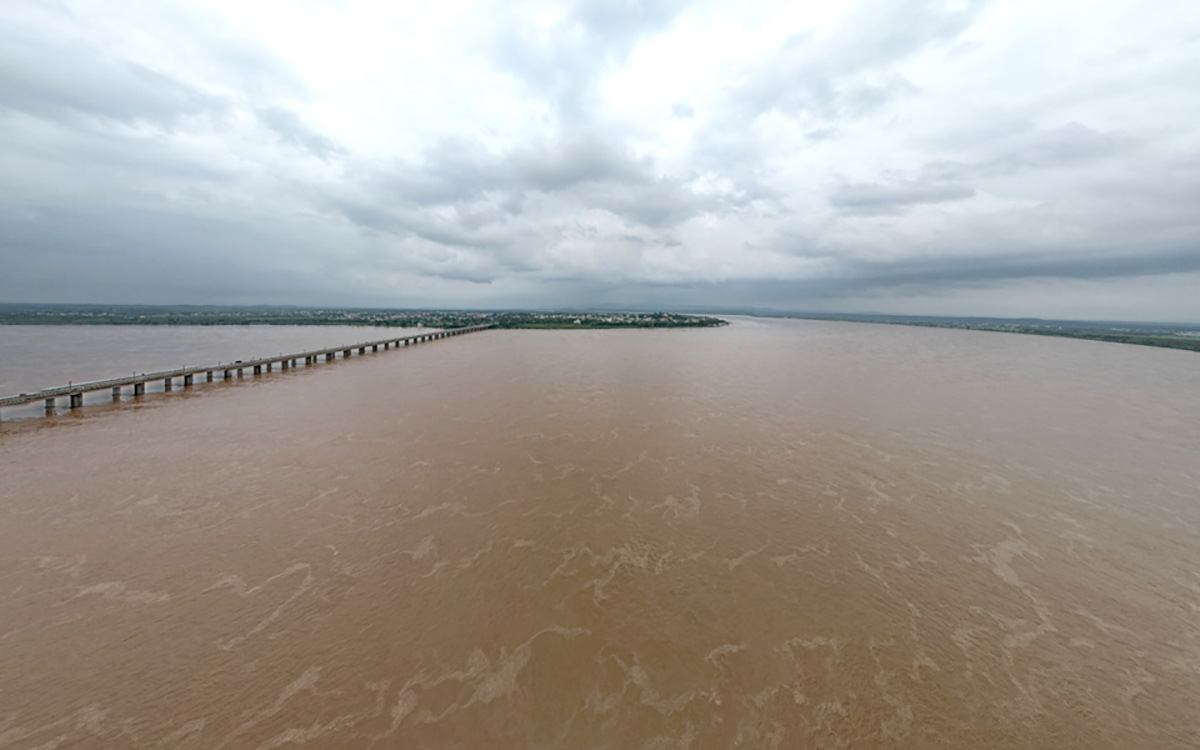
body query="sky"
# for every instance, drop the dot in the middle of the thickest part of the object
(963, 157)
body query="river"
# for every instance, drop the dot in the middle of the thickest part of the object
(773, 534)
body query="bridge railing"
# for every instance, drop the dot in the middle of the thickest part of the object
(76, 390)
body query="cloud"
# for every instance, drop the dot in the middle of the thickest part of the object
(583, 159)
(850, 71)
(1025, 148)
(662, 204)
(292, 130)
(583, 170)
(487, 153)
(54, 79)
(877, 198)
(565, 58)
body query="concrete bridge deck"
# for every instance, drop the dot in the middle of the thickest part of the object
(75, 391)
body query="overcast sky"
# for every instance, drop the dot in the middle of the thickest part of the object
(1014, 157)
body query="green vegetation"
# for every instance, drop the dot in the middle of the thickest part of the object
(1169, 335)
(151, 315)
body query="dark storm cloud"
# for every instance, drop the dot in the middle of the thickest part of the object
(451, 170)
(454, 170)
(577, 160)
(887, 280)
(994, 269)
(658, 205)
(584, 170)
(403, 221)
(989, 257)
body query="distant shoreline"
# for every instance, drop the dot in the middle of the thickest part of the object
(137, 315)
(1162, 335)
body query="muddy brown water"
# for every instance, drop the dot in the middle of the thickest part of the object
(775, 534)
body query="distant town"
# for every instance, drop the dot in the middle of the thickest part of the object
(22, 314)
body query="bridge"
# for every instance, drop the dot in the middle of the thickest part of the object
(74, 391)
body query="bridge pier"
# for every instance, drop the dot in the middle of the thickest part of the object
(188, 375)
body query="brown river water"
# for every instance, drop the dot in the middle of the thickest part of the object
(774, 534)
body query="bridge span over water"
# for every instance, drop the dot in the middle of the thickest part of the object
(228, 370)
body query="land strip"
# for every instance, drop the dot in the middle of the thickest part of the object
(23, 314)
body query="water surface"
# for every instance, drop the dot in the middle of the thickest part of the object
(776, 534)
